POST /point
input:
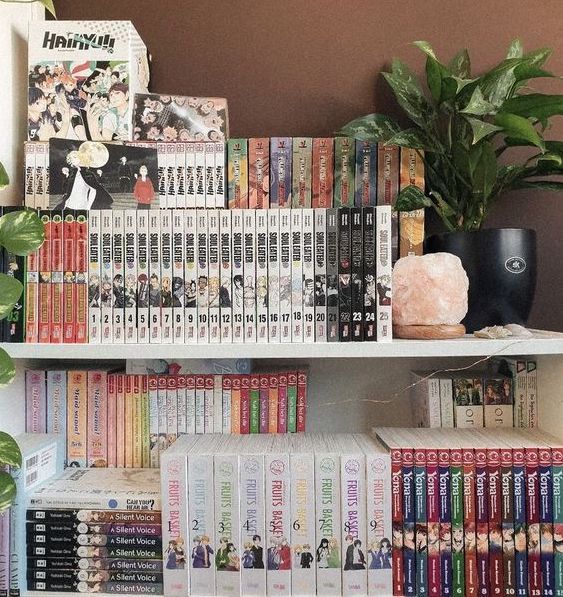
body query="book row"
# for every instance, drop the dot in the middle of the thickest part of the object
(477, 398)
(301, 515)
(110, 419)
(476, 512)
(208, 276)
(90, 532)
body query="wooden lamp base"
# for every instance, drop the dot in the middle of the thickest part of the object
(428, 332)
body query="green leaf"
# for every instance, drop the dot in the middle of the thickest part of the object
(10, 452)
(48, 4)
(553, 158)
(21, 232)
(10, 291)
(443, 205)
(4, 178)
(373, 127)
(544, 185)
(519, 128)
(411, 99)
(515, 49)
(478, 105)
(460, 65)
(411, 198)
(7, 368)
(7, 490)
(535, 105)
(426, 48)
(434, 72)
(413, 138)
(485, 170)
(481, 128)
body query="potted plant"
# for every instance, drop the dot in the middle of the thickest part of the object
(466, 129)
(21, 232)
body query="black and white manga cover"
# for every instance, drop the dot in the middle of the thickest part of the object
(285, 275)
(344, 274)
(118, 287)
(225, 290)
(296, 275)
(357, 258)
(178, 280)
(273, 276)
(202, 277)
(369, 274)
(96, 175)
(130, 283)
(166, 275)
(249, 289)
(332, 274)
(214, 277)
(94, 277)
(190, 276)
(143, 281)
(262, 290)
(155, 327)
(308, 276)
(320, 276)
(106, 289)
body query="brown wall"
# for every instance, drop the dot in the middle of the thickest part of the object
(306, 67)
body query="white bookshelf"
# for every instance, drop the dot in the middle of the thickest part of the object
(352, 386)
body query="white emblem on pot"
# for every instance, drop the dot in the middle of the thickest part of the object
(515, 265)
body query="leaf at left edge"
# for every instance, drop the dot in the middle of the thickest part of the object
(4, 178)
(7, 490)
(10, 452)
(7, 368)
(411, 198)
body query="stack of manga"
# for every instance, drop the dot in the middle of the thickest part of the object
(208, 276)
(470, 399)
(95, 531)
(129, 175)
(278, 515)
(487, 511)
(87, 409)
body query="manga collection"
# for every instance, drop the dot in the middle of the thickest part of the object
(95, 531)
(115, 419)
(507, 398)
(207, 276)
(475, 512)
(277, 515)
(255, 173)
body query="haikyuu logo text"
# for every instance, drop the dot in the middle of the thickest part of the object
(78, 41)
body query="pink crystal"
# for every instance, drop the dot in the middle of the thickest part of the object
(429, 290)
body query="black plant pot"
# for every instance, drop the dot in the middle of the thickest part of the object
(501, 267)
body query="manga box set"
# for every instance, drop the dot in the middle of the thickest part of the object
(474, 399)
(277, 515)
(95, 531)
(82, 78)
(475, 512)
(207, 276)
(115, 419)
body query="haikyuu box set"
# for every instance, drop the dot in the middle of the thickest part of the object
(93, 125)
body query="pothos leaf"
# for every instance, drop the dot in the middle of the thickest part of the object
(10, 291)
(411, 198)
(21, 232)
(7, 490)
(4, 178)
(515, 49)
(481, 128)
(10, 452)
(373, 127)
(7, 368)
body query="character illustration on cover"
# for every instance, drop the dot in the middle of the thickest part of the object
(94, 290)
(176, 118)
(83, 187)
(285, 292)
(384, 290)
(262, 291)
(78, 100)
(143, 191)
(369, 291)
(225, 295)
(175, 555)
(106, 295)
(177, 292)
(303, 556)
(154, 291)
(118, 292)
(130, 290)
(202, 297)
(355, 559)
(332, 291)
(248, 293)
(380, 554)
(320, 290)
(165, 292)
(191, 294)
(213, 291)
(308, 292)
(201, 552)
(142, 291)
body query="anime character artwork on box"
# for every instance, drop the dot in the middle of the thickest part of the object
(79, 100)
(94, 175)
(176, 118)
